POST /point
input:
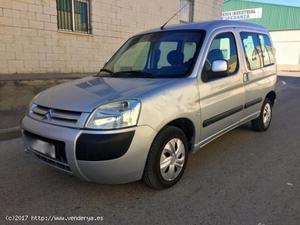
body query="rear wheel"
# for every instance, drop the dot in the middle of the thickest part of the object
(262, 123)
(167, 158)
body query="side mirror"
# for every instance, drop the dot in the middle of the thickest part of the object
(219, 66)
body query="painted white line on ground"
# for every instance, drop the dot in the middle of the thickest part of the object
(283, 82)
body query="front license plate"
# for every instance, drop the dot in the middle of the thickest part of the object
(43, 147)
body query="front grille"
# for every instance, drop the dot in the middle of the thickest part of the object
(60, 161)
(56, 116)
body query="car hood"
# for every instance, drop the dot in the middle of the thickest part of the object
(85, 94)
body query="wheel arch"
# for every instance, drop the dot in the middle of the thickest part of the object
(271, 96)
(188, 128)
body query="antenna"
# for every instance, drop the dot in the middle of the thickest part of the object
(175, 14)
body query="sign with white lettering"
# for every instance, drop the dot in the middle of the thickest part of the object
(243, 14)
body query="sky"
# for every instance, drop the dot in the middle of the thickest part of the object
(282, 2)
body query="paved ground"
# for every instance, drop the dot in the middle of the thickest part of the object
(242, 178)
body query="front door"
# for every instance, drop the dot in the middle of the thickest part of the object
(222, 96)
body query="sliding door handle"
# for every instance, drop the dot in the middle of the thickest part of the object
(246, 77)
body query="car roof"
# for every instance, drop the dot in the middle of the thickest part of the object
(209, 26)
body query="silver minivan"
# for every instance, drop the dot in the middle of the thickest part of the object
(162, 96)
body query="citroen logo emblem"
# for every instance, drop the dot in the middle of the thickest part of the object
(48, 115)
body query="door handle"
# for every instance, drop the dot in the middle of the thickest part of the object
(246, 77)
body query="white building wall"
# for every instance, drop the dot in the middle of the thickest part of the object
(30, 41)
(287, 45)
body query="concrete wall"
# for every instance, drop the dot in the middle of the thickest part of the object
(287, 45)
(31, 43)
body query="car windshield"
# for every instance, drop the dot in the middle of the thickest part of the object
(164, 54)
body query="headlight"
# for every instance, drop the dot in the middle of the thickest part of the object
(115, 115)
(32, 104)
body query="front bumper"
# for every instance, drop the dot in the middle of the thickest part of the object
(117, 156)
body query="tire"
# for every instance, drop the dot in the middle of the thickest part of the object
(162, 150)
(262, 123)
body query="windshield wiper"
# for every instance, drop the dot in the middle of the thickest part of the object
(135, 72)
(128, 73)
(106, 70)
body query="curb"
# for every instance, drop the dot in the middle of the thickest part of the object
(43, 76)
(10, 133)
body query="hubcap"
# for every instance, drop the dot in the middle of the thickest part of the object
(267, 113)
(172, 159)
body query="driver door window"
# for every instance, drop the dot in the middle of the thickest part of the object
(223, 47)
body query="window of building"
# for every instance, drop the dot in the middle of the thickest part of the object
(223, 47)
(73, 15)
(187, 13)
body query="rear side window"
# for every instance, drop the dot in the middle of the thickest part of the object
(252, 50)
(267, 50)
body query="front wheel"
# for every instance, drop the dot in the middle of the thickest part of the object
(167, 158)
(262, 123)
